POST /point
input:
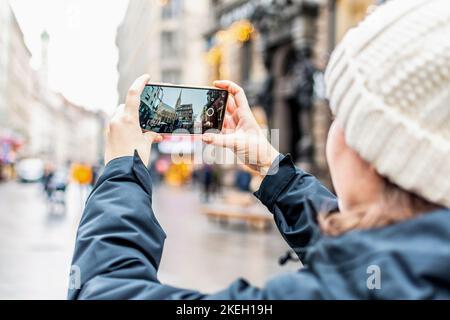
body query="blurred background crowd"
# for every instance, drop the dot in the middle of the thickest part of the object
(51, 142)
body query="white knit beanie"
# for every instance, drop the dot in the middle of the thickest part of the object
(389, 87)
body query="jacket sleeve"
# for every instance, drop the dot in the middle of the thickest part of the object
(119, 241)
(119, 246)
(295, 198)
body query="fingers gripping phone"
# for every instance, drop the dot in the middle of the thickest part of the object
(171, 109)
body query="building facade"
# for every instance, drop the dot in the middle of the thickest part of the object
(61, 131)
(34, 120)
(4, 56)
(64, 132)
(16, 81)
(277, 50)
(164, 39)
(268, 47)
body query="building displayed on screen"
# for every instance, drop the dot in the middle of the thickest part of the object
(165, 109)
(185, 114)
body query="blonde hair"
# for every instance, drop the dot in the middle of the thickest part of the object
(395, 206)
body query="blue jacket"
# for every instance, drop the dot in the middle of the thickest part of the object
(120, 242)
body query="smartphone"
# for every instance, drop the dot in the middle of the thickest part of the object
(173, 109)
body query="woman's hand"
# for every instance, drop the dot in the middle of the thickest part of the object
(124, 134)
(241, 132)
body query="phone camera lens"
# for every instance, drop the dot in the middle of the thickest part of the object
(210, 112)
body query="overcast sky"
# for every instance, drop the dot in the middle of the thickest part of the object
(198, 98)
(82, 55)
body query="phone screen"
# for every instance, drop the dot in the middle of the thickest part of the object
(184, 110)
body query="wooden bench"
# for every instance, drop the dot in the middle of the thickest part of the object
(226, 214)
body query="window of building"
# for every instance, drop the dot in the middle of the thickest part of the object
(171, 76)
(168, 44)
(171, 9)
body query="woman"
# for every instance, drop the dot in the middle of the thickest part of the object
(386, 235)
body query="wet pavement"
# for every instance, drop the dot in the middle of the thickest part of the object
(36, 247)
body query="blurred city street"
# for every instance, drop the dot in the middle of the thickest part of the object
(36, 247)
(62, 75)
